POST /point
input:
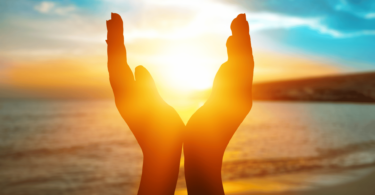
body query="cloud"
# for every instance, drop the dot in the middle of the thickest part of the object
(370, 16)
(56, 78)
(338, 18)
(47, 7)
(283, 67)
(267, 21)
(44, 7)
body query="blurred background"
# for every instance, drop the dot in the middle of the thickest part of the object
(312, 126)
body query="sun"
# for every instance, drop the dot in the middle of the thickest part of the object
(188, 71)
(189, 74)
(186, 76)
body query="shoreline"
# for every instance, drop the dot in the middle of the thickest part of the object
(315, 182)
(322, 182)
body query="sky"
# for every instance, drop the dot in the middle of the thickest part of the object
(57, 49)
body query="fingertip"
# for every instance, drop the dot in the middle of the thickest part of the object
(145, 81)
(229, 41)
(240, 26)
(232, 47)
(116, 17)
(241, 16)
(141, 73)
(115, 28)
(140, 69)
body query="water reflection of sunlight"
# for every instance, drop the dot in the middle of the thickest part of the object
(262, 185)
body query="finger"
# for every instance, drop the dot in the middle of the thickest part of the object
(239, 45)
(234, 77)
(115, 29)
(145, 83)
(239, 26)
(121, 76)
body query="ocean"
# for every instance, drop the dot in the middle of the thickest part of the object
(84, 147)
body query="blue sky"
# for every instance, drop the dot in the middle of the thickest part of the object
(291, 38)
(349, 27)
(343, 29)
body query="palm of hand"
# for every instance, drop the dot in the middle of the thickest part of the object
(210, 129)
(156, 125)
(158, 128)
(214, 123)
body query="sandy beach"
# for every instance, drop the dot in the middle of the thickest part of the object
(322, 182)
(322, 185)
(84, 148)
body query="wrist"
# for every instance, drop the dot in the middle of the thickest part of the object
(159, 169)
(203, 171)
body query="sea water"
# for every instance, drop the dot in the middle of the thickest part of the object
(84, 147)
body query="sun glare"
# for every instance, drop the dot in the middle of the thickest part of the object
(186, 76)
(188, 71)
(189, 74)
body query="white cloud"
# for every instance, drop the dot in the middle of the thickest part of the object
(179, 19)
(215, 17)
(47, 7)
(370, 16)
(44, 7)
(187, 19)
(323, 29)
(265, 21)
(64, 10)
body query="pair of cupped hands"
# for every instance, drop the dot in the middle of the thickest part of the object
(159, 129)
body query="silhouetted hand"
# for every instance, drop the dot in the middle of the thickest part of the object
(210, 129)
(156, 125)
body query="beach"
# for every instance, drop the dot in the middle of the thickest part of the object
(324, 186)
(84, 147)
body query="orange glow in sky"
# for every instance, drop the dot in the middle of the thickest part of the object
(182, 44)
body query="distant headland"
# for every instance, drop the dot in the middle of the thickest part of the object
(358, 87)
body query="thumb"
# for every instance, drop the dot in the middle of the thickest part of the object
(145, 82)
